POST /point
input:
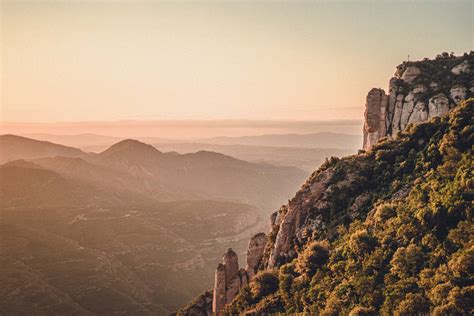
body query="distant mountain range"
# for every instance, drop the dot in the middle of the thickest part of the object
(93, 142)
(134, 166)
(14, 147)
(303, 151)
(127, 230)
(316, 140)
(306, 159)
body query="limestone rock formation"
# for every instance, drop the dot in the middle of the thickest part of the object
(418, 92)
(460, 68)
(458, 93)
(255, 252)
(438, 105)
(375, 109)
(229, 279)
(410, 73)
(231, 264)
(307, 200)
(218, 299)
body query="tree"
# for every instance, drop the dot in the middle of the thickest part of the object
(315, 255)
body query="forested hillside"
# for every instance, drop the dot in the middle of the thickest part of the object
(406, 249)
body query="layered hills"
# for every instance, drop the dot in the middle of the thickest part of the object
(135, 166)
(128, 230)
(14, 147)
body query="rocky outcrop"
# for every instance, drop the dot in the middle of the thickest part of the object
(375, 112)
(229, 279)
(462, 67)
(218, 298)
(313, 207)
(410, 73)
(458, 93)
(418, 92)
(438, 105)
(254, 253)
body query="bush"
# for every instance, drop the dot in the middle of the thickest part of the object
(384, 211)
(407, 261)
(269, 305)
(361, 242)
(413, 304)
(264, 283)
(362, 311)
(315, 255)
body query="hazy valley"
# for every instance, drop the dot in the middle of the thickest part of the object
(131, 224)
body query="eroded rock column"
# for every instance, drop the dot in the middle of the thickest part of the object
(218, 299)
(375, 117)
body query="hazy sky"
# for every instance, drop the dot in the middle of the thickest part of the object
(312, 60)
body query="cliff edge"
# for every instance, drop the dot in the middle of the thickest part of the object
(419, 91)
(387, 231)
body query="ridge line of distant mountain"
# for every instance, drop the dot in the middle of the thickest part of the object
(309, 140)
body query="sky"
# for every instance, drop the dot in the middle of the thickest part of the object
(82, 61)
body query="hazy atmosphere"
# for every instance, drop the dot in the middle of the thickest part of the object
(212, 158)
(152, 60)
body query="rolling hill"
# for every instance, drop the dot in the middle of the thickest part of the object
(14, 147)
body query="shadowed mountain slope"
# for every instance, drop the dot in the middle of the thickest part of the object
(14, 147)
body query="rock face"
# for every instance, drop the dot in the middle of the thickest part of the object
(255, 252)
(418, 92)
(229, 279)
(462, 67)
(410, 73)
(438, 105)
(375, 112)
(218, 299)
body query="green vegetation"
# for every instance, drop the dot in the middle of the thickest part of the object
(410, 252)
(438, 70)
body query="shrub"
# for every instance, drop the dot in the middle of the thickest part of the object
(264, 283)
(361, 242)
(362, 311)
(407, 261)
(413, 304)
(384, 211)
(315, 255)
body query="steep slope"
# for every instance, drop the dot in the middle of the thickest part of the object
(14, 147)
(388, 231)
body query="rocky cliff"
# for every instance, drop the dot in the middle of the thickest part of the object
(229, 279)
(384, 231)
(418, 91)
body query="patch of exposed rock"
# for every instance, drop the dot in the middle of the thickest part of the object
(418, 92)
(410, 73)
(255, 252)
(229, 279)
(375, 112)
(462, 67)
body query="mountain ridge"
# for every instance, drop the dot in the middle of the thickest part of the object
(15, 147)
(365, 234)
